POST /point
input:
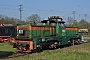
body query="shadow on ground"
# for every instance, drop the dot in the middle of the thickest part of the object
(5, 54)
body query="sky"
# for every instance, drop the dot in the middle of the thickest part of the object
(46, 8)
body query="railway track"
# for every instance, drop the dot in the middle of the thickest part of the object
(15, 55)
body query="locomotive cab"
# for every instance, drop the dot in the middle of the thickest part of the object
(58, 23)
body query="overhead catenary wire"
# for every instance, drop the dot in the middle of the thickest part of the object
(9, 5)
(33, 10)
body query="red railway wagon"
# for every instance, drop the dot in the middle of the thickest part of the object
(6, 31)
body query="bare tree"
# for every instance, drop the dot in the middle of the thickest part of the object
(83, 24)
(75, 23)
(33, 19)
(70, 21)
(8, 20)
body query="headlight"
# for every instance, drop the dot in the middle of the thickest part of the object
(43, 39)
(38, 45)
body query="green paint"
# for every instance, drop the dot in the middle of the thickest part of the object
(60, 30)
(48, 23)
(63, 35)
(71, 32)
(57, 29)
(63, 39)
(35, 33)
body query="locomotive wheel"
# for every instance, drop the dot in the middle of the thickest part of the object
(54, 45)
(72, 42)
(51, 46)
(21, 48)
(76, 42)
(79, 41)
(39, 48)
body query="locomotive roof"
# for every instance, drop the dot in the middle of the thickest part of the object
(52, 21)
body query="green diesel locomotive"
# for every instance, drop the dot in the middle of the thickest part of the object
(51, 34)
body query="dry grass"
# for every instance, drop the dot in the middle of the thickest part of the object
(6, 48)
(79, 52)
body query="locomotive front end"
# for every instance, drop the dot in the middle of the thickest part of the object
(23, 41)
